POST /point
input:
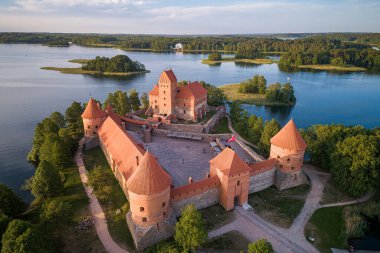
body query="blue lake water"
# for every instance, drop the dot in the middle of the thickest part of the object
(28, 94)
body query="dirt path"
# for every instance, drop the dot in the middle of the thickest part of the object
(96, 210)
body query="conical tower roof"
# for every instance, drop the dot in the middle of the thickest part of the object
(92, 111)
(149, 177)
(229, 163)
(289, 137)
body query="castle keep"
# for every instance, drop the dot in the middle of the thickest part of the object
(156, 184)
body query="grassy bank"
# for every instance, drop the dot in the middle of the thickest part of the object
(215, 216)
(68, 236)
(232, 241)
(90, 72)
(115, 200)
(231, 59)
(232, 93)
(221, 127)
(331, 194)
(328, 67)
(279, 207)
(326, 225)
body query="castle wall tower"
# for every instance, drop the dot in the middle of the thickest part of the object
(93, 117)
(149, 192)
(234, 178)
(288, 148)
(167, 86)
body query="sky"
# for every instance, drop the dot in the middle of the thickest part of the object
(189, 16)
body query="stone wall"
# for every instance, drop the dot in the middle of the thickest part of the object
(261, 181)
(91, 142)
(201, 200)
(285, 180)
(213, 121)
(205, 137)
(192, 128)
(144, 237)
(252, 153)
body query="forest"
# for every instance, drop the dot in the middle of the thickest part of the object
(118, 63)
(341, 49)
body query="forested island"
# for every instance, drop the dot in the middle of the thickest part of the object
(216, 59)
(119, 65)
(325, 51)
(255, 91)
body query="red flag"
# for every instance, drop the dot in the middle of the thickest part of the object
(233, 138)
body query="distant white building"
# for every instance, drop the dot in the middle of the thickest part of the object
(178, 46)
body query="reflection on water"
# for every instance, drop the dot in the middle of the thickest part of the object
(28, 94)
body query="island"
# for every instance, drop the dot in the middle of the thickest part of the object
(231, 59)
(254, 91)
(329, 67)
(119, 65)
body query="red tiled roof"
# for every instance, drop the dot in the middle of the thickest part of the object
(121, 145)
(194, 89)
(92, 111)
(195, 188)
(149, 177)
(134, 121)
(113, 115)
(260, 167)
(229, 163)
(170, 74)
(289, 137)
(154, 91)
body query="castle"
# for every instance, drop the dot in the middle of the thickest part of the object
(169, 101)
(155, 199)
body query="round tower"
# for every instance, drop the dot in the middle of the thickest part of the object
(149, 192)
(288, 148)
(93, 116)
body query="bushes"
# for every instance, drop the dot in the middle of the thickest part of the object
(355, 225)
(260, 246)
(214, 57)
(10, 204)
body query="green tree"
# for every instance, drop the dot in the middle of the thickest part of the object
(10, 204)
(271, 128)
(214, 57)
(215, 96)
(255, 128)
(101, 181)
(74, 122)
(4, 220)
(190, 230)
(46, 181)
(145, 100)
(134, 99)
(119, 101)
(260, 246)
(55, 210)
(236, 110)
(54, 150)
(45, 127)
(356, 164)
(22, 237)
(273, 92)
(287, 94)
(58, 119)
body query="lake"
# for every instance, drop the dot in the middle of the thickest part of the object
(28, 94)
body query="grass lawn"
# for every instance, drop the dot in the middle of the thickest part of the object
(68, 237)
(215, 216)
(116, 199)
(279, 207)
(329, 67)
(232, 59)
(221, 127)
(331, 194)
(326, 225)
(233, 94)
(232, 241)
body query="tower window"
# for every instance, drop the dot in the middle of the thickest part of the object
(288, 160)
(88, 127)
(163, 204)
(292, 168)
(137, 160)
(141, 209)
(278, 157)
(238, 182)
(184, 111)
(164, 214)
(156, 107)
(93, 132)
(96, 126)
(164, 92)
(164, 104)
(144, 219)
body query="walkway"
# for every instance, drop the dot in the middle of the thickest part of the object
(253, 227)
(96, 210)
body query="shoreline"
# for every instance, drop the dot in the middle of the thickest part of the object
(232, 94)
(230, 59)
(327, 67)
